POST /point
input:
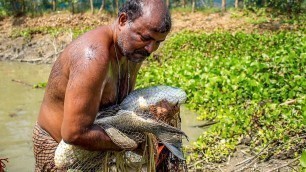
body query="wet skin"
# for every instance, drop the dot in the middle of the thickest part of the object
(84, 79)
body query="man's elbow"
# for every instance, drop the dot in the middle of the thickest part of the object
(71, 137)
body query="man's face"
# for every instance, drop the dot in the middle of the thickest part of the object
(137, 39)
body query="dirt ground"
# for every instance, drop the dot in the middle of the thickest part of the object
(45, 48)
(245, 161)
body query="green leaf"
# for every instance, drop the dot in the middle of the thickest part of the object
(40, 85)
(303, 159)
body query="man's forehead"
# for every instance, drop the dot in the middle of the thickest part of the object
(153, 14)
(149, 21)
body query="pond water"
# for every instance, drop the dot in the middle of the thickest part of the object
(19, 106)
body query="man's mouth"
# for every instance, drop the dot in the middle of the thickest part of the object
(137, 58)
(143, 53)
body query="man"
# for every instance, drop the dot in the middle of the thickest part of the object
(93, 72)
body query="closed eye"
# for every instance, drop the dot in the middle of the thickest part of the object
(158, 42)
(145, 38)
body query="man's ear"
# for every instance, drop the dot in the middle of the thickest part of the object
(122, 19)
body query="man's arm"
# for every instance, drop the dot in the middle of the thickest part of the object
(82, 100)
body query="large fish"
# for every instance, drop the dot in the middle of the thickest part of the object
(127, 124)
(141, 99)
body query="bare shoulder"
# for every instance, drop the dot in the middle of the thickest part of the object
(93, 47)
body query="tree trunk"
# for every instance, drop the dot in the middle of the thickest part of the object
(223, 6)
(211, 3)
(116, 6)
(34, 6)
(72, 6)
(193, 5)
(22, 6)
(91, 6)
(102, 6)
(236, 4)
(54, 5)
(168, 3)
(264, 3)
(13, 5)
(184, 3)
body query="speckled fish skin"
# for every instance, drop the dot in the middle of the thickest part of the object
(130, 121)
(152, 96)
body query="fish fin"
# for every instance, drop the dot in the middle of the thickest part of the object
(175, 150)
(119, 138)
(166, 129)
(169, 137)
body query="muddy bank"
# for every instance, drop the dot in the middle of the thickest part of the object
(41, 39)
(40, 49)
(244, 160)
(28, 39)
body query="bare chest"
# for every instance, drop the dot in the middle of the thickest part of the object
(116, 89)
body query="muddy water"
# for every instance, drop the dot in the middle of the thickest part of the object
(19, 106)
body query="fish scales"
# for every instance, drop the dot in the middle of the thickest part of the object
(142, 98)
(136, 123)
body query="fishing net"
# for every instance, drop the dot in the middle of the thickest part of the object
(124, 128)
(129, 124)
(77, 159)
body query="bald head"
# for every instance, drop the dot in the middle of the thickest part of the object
(148, 9)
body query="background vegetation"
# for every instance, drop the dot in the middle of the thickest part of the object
(252, 85)
(37, 7)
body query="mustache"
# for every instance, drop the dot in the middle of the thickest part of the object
(142, 52)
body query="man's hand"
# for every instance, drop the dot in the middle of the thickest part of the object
(164, 111)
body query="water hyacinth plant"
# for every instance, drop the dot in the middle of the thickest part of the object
(253, 84)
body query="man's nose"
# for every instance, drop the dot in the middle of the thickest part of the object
(151, 46)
